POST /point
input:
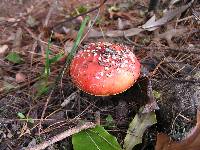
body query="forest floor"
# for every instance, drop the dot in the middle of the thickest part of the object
(34, 109)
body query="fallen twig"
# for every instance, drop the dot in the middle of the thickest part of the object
(180, 50)
(44, 110)
(178, 80)
(53, 5)
(61, 136)
(59, 24)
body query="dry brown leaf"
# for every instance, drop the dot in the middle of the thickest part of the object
(59, 36)
(3, 49)
(132, 32)
(153, 24)
(20, 77)
(126, 33)
(114, 33)
(169, 34)
(120, 25)
(123, 24)
(68, 46)
(94, 34)
(191, 142)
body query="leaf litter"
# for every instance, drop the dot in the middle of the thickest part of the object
(190, 142)
(23, 89)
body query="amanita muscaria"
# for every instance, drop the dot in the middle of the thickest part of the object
(104, 69)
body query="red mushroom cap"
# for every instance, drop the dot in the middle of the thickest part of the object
(104, 69)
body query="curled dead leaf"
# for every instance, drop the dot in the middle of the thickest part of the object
(153, 24)
(191, 142)
(137, 128)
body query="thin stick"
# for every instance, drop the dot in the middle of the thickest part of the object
(44, 110)
(61, 136)
(59, 24)
(179, 50)
(193, 81)
(49, 14)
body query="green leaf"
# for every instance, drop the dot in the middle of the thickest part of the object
(56, 58)
(47, 61)
(42, 87)
(156, 94)
(14, 57)
(78, 39)
(21, 115)
(30, 120)
(137, 127)
(42, 90)
(82, 9)
(109, 122)
(8, 86)
(95, 139)
(109, 119)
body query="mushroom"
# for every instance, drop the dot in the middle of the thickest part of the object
(104, 69)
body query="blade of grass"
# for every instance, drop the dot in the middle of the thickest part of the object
(47, 59)
(78, 39)
(75, 46)
(68, 60)
(56, 58)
